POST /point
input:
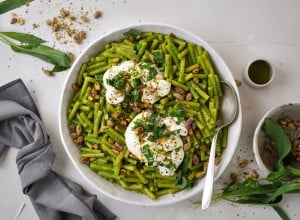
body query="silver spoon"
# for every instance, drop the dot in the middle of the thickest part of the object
(226, 115)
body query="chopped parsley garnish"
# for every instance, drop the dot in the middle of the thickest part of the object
(132, 33)
(118, 82)
(136, 82)
(180, 113)
(147, 153)
(152, 73)
(133, 94)
(155, 129)
(158, 58)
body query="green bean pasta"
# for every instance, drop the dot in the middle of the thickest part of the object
(144, 112)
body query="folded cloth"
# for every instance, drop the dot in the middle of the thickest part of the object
(53, 196)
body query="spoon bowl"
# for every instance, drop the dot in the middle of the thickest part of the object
(226, 115)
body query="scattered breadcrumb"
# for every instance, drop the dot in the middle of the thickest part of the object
(71, 57)
(238, 83)
(47, 72)
(16, 19)
(97, 14)
(244, 163)
(65, 25)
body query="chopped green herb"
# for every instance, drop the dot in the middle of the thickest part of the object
(147, 153)
(152, 73)
(132, 33)
(153, 128)
(179, 113)
(158, 58)
(135, 82)
(117, 82)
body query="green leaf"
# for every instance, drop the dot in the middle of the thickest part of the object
(281, 212)
(278, 174)
(277, 133)
(249, 187)
(48, 54)
(132, 33)
(24, 38)
(285, 188)
(8, 5)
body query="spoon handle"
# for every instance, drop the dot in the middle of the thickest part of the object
(209, 178)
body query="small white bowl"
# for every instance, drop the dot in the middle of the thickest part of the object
(264, 159)
(249, 80)
(113, 190)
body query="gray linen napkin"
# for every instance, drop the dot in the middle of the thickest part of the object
(53, 196)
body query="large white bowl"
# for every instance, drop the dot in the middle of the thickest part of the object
(113, 190)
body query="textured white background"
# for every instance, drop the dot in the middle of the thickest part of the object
(238, 30)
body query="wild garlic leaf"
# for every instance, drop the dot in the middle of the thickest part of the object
(24, 38)
(48, 54)
(284, 188)
(276, 133)
(8, 5)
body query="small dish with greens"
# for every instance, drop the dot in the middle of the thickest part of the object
(265, 149)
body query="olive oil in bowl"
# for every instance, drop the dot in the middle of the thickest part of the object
(259, 73)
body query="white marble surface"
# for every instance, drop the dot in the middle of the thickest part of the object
(238, 30)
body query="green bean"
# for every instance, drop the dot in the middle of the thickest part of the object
(199, 90)
(105, 146)
(140, 176)
(167, 191)
(172, 50)
(92, 139)
(154, 44)
(92, 155)
(108, 175)
(115, 135)
(86, 120)
(118, 164)
(80, 74)
(168, 67)
(194, 93)
(99, 167)
(142, 49)
(123, 184)
(95, 66)
(175, 83)
(128, 179)
(164, 184)
(192, 53)
(85, 85)
(183, 53)
(89, 150)
(137, 186)
(99, 70)
(188, 103)
(149, 193)
(97, 120)
(73, 111)
(181, 70)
